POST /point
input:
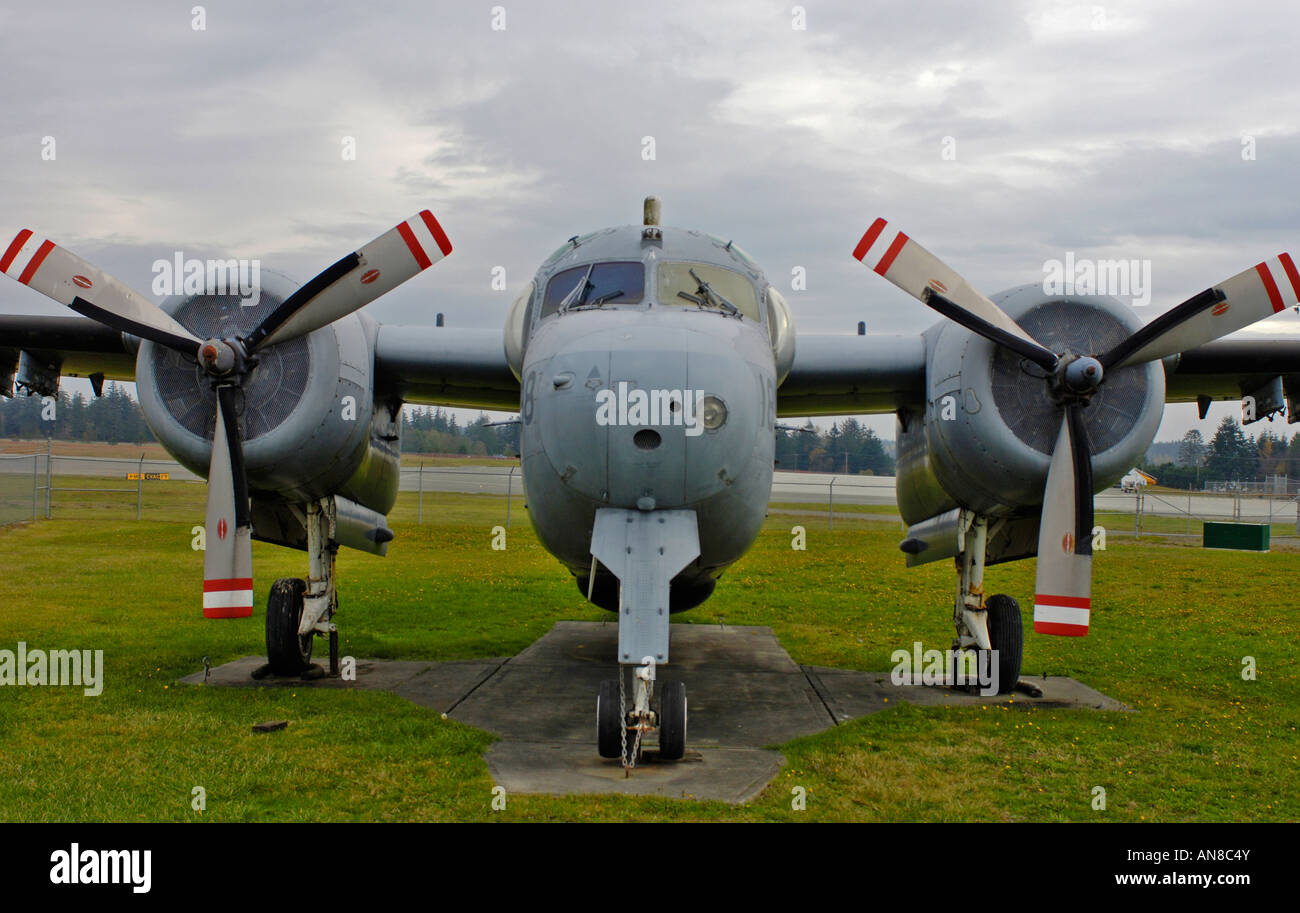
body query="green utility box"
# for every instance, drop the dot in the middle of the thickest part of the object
(1251, 537)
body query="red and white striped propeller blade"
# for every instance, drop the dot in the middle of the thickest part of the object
(228, 547)
(1253, 294)
(1063, 585)
(925, 277)
(57, 272)
(397, 255)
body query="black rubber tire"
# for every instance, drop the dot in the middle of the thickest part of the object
(1007, 634)
(672, 721)
(287, 652)
(609, 728)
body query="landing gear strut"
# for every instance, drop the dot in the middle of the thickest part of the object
(992, 625)
(298, 610)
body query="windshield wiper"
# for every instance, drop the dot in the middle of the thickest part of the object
(608, 296)
(578, 296)
(705, 294)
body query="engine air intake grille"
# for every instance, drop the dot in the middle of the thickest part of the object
(1019, 387)
(271, 393)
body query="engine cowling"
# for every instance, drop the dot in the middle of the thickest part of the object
(989, 425)
(308, 413)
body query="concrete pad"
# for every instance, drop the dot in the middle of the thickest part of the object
(744, 695)
(416, 681)
(849, 694)
(742, 688)
(570, 768)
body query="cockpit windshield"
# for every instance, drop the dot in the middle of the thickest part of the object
(593, 285)
(706, 286)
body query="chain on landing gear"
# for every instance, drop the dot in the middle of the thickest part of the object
(640, 718)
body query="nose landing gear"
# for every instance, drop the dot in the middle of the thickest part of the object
(621, 730)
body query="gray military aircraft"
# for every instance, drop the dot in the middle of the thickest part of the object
(648, 366)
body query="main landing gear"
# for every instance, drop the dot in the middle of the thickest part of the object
(990, 626)
(300, 610)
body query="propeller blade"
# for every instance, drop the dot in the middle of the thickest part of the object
(228, 546)
(932, 282)
(398, 254)
(1251, 295)
(54, 271)
(1063, 586)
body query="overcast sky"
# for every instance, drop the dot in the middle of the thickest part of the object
(1110, 129)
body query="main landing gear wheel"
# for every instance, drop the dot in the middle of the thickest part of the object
(1006, 633)
(609, 728)
(287, 651)
(672, 721)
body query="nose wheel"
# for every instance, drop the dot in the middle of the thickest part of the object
(621, 729)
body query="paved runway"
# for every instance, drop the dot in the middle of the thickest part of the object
(744, 695)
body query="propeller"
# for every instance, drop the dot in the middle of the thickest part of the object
(351, 283)
(1063, 586)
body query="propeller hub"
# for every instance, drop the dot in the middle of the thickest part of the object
(218, 357)
(1083, 375)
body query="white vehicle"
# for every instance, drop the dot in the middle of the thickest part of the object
(1136, 479)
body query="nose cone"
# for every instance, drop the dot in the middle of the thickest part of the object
(648, 414)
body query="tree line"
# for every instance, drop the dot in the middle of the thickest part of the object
(1228, 459)
(848, 447)
(115, 417)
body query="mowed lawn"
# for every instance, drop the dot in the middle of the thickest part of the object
(1172, 626)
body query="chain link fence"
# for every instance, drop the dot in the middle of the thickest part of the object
(48, 484)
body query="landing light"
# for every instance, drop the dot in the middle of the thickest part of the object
(714, 413)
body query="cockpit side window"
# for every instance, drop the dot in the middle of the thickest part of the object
(594, 285)
(684, 284)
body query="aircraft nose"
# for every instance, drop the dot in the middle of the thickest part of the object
(636, 423)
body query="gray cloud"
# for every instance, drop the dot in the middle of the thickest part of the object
(1119, 140)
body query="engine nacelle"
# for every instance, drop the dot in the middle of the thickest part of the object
(985, 440)
(311, 427)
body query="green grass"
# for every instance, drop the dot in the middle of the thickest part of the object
(1172, 626)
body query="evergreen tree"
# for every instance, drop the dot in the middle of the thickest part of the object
(1232, 456)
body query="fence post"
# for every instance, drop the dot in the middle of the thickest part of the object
(36, 492)
(510, 481)
(831, 503)
(139, 487)
(419, 513)
(49, 476)
(1189, 511)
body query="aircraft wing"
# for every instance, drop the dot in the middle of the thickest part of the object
(445, 366)
(1233, 367)
(842, 374)
(71, 346)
